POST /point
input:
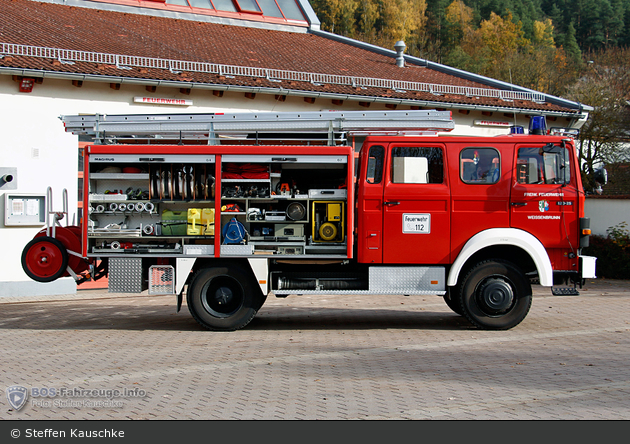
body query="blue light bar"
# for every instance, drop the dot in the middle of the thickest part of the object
(537, 125)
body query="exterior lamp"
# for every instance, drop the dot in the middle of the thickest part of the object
(26, 84)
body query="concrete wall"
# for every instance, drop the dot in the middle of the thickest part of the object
(605, 213)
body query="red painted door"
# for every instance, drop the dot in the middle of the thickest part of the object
(480, 174)
(544, 199)
(370, 204)
(416, 205)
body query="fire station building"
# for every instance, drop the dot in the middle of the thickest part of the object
(69, 57)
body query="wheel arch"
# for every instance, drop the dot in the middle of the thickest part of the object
(514, 245)
(258, 267)
(225, 294)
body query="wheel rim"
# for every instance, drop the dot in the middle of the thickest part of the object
(69, 239)
(495, 296)
(222, 296)
(44, 259)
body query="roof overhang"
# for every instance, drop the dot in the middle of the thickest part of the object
(579, 107)
(278, 91)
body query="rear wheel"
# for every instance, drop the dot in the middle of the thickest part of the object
(223, 298)
(495, 295)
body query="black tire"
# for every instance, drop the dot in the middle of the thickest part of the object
(495, 295)
(44, 259)
(452, 300)
(223, 298)
(262, 299)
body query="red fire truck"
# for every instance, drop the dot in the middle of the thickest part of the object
(225, 209)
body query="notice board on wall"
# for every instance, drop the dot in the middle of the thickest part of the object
(24, 209)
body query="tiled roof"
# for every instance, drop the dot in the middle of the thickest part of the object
(49, 25)
(618, 181)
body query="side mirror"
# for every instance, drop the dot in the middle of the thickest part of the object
(601, 176)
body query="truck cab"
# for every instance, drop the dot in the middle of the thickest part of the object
(511, 202)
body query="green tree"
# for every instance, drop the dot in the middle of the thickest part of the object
(460, 20)
(604, 86)
(404, 20)
(612, 17)
(367, 15)
(337, 16)
(571, 46)
(438, 42)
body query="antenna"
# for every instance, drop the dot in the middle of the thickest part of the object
(512, 88)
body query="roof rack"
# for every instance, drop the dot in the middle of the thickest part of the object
(288, 128)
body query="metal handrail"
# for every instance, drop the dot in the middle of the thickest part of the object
(125, 62)
(57, 215)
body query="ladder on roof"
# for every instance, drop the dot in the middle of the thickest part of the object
(322, 128)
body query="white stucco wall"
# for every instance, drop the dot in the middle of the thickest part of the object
(606, 213)
(30, 124)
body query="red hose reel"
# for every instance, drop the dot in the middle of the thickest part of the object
(47, 258)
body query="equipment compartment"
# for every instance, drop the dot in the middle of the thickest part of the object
(174, 206)
(136, 206)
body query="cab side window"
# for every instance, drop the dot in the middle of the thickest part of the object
(376, 156)
(479, 165)
(544, 165)
(417, 165)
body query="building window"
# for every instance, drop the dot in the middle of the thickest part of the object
(290, 9)
(200, 3)
(224, 5)
(270, 8)
(248, 6)
(287, 9)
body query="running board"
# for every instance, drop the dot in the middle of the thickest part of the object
(565, 291)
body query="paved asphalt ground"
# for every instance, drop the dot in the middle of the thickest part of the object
(333, 358)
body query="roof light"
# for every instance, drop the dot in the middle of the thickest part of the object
(537, 125)
(566, 132)
(514, 129)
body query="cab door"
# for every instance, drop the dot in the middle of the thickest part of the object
(416, 205)
(544, 199)
(370, 204)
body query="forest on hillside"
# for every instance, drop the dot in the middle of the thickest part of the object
(577, 49)
(539, 44)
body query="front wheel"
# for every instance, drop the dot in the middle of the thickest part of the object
(223, 298)
(495, 295)
(452, 300)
